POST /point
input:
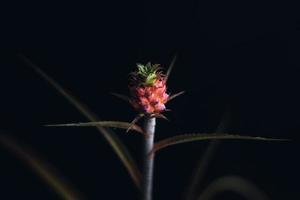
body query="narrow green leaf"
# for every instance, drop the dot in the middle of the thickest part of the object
(54, 180)
(204, 136)
(108, 134)
(171, 67)
(111, 124)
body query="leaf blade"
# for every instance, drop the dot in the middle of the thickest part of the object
(204, 136)
(173, 96)
(202, 165)
(119, 148)
(170, 68)
(111, 124)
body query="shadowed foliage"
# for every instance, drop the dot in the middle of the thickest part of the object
(234, 184)
(41, 168)
(108, 134)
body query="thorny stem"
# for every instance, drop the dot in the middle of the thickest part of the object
(149, 127)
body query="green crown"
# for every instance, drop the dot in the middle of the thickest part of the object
(148, 72)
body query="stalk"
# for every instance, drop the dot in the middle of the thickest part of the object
(149, 127)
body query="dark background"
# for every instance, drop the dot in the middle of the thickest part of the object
(237, 57)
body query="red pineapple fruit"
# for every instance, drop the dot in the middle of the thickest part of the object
(148, 89)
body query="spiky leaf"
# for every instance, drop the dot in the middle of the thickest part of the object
(204, 136)
(111, 124)
(171, 67)
(173, 96)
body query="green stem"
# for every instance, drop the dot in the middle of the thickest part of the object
(149, 127)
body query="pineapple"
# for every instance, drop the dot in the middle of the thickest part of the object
(148, 89)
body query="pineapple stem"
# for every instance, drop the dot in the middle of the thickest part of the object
(149, 127)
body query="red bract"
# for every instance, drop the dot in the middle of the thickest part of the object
(149, 98)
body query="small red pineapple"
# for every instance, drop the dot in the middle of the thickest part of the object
(148, 89)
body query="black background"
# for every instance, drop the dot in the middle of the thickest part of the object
(232, 56)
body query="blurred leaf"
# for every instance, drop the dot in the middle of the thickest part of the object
(204, 136)
(121, 96)
(45, 171)
(192, 189)
(235, 184)
(108, 134)
(111, 124)
(170, 68)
